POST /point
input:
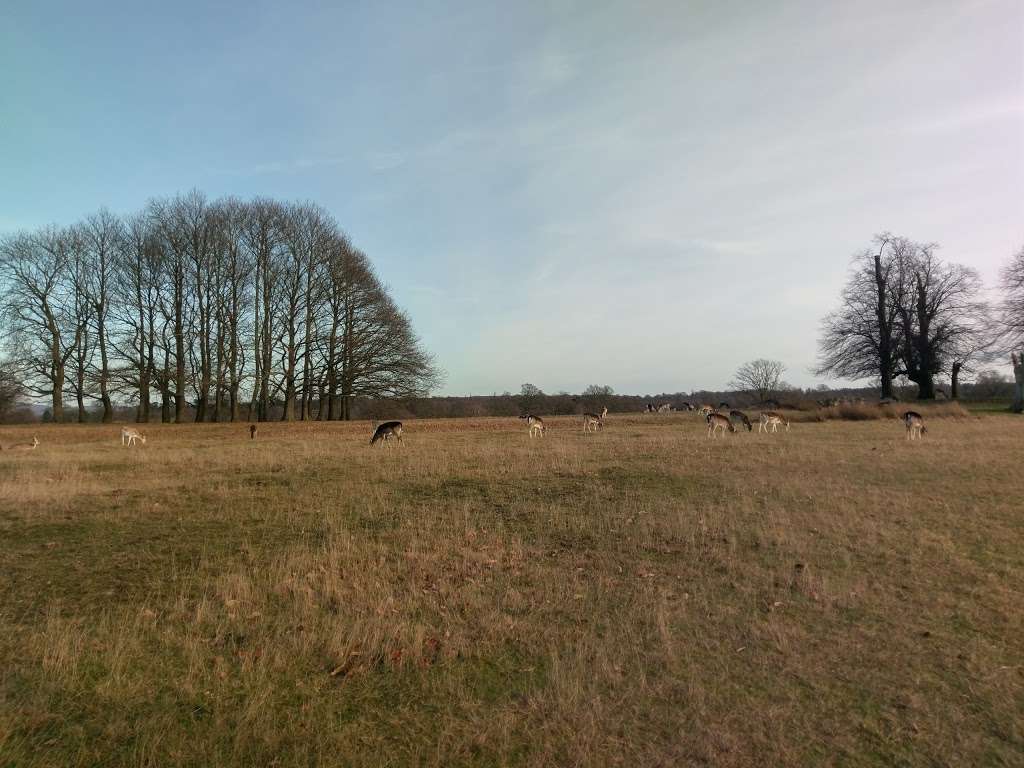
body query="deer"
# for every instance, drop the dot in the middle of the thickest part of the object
(705, 409)
(252, 431)
(741, 417)
(915, 424)
(592, 421)
(536, 424)
(25, 446)
(386, 431)
(772, 419)
(129, 436)
(717, 421)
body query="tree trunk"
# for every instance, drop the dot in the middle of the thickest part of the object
(885, 352)
(58, 394)
(165, 392)
(179, 373)
(954, 381)
(101, 329)
(1018, 377)
(925, 386)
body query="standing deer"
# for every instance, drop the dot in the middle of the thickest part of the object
(717, 421)
(741, 417)
(386, 431)
(592, 422)
(252, 431)
(915, 424)
(129, 436)
(772, 419)
(536, 424)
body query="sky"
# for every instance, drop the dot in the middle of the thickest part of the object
(636, 194)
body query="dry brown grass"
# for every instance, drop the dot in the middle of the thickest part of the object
(642, 596)
(949, 409)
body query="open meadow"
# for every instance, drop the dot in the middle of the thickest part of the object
(834, 595)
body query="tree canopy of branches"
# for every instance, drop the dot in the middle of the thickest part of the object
(1011, 308)
(759, 377)
(904, 312)
(217, 305)
(10, 389)
(1011, 321)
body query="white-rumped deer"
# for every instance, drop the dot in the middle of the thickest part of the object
(772, 419)
(129, 436)
(536, 424)
(592, 421)
(717, 421)
(915, 424)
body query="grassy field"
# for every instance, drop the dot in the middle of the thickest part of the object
(833, 595)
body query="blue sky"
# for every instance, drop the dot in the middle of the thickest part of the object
(639, 194)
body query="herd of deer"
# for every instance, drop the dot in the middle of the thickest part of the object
(770, 421)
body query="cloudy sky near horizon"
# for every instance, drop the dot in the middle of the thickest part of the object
(639, 194)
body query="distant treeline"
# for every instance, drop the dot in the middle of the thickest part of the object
(989, 386)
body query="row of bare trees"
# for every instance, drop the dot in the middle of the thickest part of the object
(905, 312)
(213, 308)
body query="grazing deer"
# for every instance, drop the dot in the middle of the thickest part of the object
(252, 431)
(129, 436)
(24, 446)
(665, 408)
(741, 417)
(772, 419)
(685, 407)
(536, 424)
(915, 424)
(386, 431)
(592, 421)
(717, 421)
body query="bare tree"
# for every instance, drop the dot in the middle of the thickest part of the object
(138, 283)
(10, 389)
(1017, 359)
(81, 318)
(219, 300)
(101, 237)
(382, 357)
(174, 300)
(971, 344)
(759, 377)
(1011, 308)
(861, 339)
(346, 271)
(263, 237)
(904, 313)
(943, 320)
(236, 270)
(36, 313)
